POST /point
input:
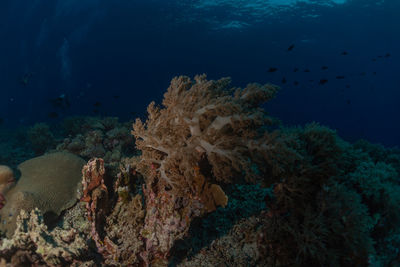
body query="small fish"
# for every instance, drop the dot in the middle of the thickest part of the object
(347, 86)
(61, 101)
(380, 56)
(339, 77)
(311, 81)
(25, 79)
(323, 81)
(324, 67)
(363, 73)
(97, 104)
(116, 96)
(387, 55)
(306, 70)
(344, 53)
(296, 83)
(374, 59)
(95, 111)
(52, 115)
(295, 69)
(272, 69)
(290, 48)
(348, 101)
(284, 80)
(374, 73)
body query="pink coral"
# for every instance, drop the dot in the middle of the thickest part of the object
(206, 133)
(95, 194)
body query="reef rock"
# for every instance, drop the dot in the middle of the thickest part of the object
(6, 178)
(48, 182)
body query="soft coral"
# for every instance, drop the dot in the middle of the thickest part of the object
(206, 133)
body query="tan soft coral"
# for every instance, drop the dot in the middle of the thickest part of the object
(204, 118)
(207, 133)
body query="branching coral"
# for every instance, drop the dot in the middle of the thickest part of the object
(34, 245)
(207, 132)
(94, 137)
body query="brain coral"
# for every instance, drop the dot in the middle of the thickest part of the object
(48, 182)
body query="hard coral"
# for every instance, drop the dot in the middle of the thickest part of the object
(48, 182)
(206, 133)
(115, 221)
(95, 194)
(34, 245)
(94, 137)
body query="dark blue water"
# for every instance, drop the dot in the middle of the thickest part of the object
(114, 57)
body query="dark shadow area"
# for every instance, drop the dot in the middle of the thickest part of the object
(244, 201)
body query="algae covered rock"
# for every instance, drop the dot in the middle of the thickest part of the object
(48, 182)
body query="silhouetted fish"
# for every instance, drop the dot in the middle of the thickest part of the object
(95, 111)
(306, 70)
(296, 83)
(348, 101)
(339, 77)
(323, 81)
(53, 115)
(380, 56)
(290, 48)
(344, 53)
(61, 102)
(295, 69)
(25, 79)
(362, 73)
(284, 80)
(347, 86)
(374, 59)
(272, 69)
(116, 96)
(387, 55)
(324, 68)
(374, 73)
(97, 104)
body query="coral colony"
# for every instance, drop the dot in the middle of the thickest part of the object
(211, 181)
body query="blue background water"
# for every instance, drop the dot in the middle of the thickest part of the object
(123, 54)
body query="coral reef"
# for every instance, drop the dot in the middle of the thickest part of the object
(217, 183)
(206, 133)
(41, 138)
(34, 245)
(123, 227)
(238, 247)
(90, 137)
(95, 194)
(115, 223)
(15, 147)
(48, 182)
